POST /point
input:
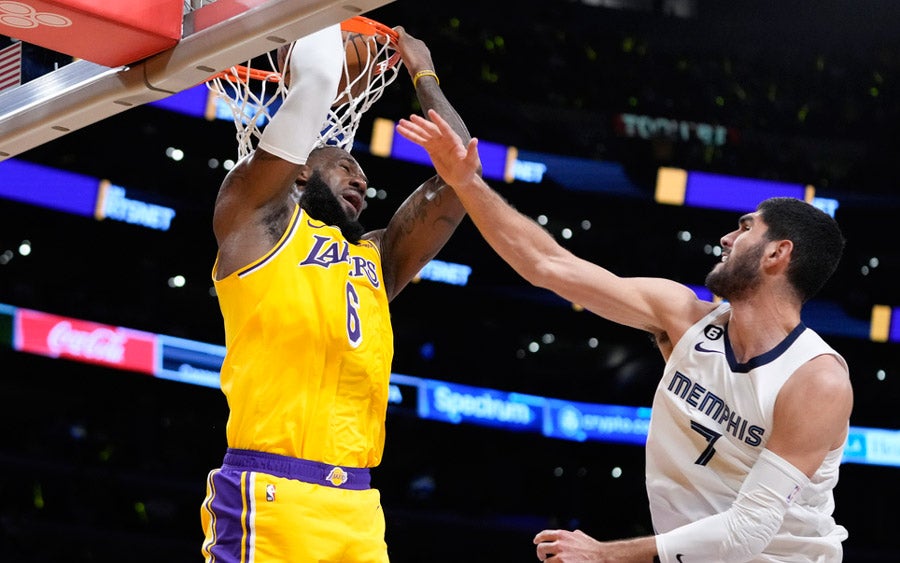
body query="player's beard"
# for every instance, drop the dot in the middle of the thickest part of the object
(738, 276)
(320, 202)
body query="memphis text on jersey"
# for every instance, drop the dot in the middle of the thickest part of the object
(716, 408)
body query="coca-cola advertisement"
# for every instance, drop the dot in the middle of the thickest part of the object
(62, 337)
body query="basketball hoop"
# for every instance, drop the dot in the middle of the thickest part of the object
(254, 94)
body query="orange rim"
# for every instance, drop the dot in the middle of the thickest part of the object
(368, 26)
(356, 24)
(241, 73)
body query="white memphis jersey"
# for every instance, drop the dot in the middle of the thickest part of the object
(711, 418)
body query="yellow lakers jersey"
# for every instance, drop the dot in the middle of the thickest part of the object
(309, 346)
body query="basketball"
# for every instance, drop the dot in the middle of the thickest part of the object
(360, 52)
(370, 63)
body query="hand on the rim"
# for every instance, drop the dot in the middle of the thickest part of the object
(456, 163)
(413, 52)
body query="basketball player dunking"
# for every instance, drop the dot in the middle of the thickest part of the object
(304, 294)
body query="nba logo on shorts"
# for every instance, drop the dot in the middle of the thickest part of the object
(270, 493)
(337, 476)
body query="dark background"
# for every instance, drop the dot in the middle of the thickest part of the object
(103, 465)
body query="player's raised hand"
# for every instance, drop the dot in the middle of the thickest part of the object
(455, 162)
(413, 52)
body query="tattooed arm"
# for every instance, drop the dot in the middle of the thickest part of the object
(424, 222)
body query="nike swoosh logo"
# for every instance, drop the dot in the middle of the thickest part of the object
(699, 347)
(313, 225)
(678, 556)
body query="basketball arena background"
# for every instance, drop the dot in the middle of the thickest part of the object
(511, 410)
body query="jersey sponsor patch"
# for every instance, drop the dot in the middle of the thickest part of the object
(713, 332)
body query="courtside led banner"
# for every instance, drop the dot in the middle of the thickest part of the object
(581, 422)
(78, 194)
(873, 446)
(7, 314)
(198, 363)
(451, 402)
(72, 339)
(48, 187)
(403, 395)
(189, 361)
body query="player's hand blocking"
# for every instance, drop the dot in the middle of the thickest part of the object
(455, 162)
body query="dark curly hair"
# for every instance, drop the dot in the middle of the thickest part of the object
(817, 238)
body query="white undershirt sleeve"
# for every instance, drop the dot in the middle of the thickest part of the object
(744, 530)
(316, 64)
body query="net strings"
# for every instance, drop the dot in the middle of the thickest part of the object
(252, 102)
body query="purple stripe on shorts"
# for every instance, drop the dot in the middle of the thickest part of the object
(248, 518)
(226, 507)
(354, 478)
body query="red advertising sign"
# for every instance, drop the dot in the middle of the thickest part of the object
(100, 31)
(62, 337)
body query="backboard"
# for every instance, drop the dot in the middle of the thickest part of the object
(215, 35)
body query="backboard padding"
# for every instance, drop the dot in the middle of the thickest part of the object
(215, 37)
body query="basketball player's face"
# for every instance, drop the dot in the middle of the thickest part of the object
(739, 272)
(319, 200)
(347, 181)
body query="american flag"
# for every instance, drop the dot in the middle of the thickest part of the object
(11, 66)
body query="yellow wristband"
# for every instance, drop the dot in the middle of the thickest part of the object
(422, 73)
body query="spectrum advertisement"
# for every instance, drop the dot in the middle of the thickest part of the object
(199, 363)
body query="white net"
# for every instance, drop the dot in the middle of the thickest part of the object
(254, 91)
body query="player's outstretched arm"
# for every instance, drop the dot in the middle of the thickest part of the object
(260, 185)
(429, 216)
(651, 304)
